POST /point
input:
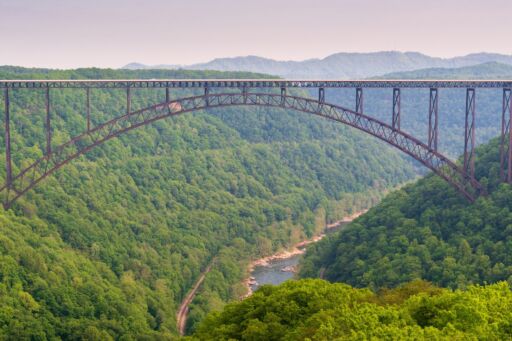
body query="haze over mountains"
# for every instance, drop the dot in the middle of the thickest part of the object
(339, 65)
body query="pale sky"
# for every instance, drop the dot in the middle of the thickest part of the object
(112, 33)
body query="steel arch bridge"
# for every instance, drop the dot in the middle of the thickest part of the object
(461, 176)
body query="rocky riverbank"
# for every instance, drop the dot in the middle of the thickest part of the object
(295, 250)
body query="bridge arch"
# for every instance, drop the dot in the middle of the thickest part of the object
(29, 177)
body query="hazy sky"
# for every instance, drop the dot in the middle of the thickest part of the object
(112, 33)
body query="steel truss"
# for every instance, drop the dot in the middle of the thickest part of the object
(433, 118)
(506, 138)
(29, 177)
(249, 83)
(359, 100)
(469, 133)
(395, 120)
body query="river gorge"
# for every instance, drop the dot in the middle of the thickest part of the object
(282, 266)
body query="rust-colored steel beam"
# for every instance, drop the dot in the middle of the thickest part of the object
(359, 100)
(128, 100)
(469, 133)
(48, 123)
(506, 138)
(395, 121)
(8, 161)
(88, 107)
(433, 116)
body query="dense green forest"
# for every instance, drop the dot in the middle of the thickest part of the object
(318, 310)
(425, 230)
(108, 246)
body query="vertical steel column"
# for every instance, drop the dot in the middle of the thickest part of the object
(48, 124)
(244, 93)
(469, 133)
(206, 94)
(433, 115)
(509, 172)
(283, 95)
(128, 100)
(506, 138)
(359, 100)
(321, 95)
(167, 95)
(88, 106)
(8, 161)
(395, 121)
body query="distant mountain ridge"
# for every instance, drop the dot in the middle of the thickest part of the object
(339, 65)
(489, 70)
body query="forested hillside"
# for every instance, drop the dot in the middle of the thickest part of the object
(318, 310)
(425, 230)
(490, 70)
(108, 246)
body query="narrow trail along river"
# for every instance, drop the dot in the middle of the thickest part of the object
(273, 269)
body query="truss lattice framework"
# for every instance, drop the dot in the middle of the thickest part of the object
(61, 155)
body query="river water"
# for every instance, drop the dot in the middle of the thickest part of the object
(278, 270)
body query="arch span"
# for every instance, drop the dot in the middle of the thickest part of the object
(29, 177)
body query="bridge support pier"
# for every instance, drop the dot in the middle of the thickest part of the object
(321, 95)
(469, 133)
(244, 94)
(88, 107)
(206, 94)
(8, 161)
(167, 98)
(433, 114)
(283, 95)
(359, 100)
(48, 124)
(395, 121)
(506, 138)
(128, 100)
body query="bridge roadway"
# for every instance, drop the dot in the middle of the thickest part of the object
(252, 83)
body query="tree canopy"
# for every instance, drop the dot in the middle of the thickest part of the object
(425, 230)
(314, 309)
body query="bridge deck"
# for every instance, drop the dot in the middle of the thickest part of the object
(252, 83)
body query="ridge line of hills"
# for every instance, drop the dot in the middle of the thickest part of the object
(338, 65)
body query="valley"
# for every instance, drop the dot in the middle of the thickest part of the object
(121, 234)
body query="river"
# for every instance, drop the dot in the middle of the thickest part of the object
(276, 272)
(282, 266)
